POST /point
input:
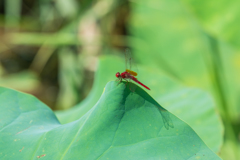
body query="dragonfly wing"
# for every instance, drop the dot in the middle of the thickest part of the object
(131, 72)
(129, 62)
(128, 59)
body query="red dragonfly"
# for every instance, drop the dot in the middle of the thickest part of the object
(129, 74)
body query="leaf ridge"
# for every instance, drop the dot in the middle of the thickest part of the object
(114, 134)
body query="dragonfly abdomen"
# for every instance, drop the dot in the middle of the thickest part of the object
(135, 79)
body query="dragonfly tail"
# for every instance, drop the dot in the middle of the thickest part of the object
(135, 79)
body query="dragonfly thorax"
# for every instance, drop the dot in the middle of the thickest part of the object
(123, 75)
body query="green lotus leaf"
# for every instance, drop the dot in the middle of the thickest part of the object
(122, 125)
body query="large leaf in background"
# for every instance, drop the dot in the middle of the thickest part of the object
(191, 105)
(221, 18)
(166, 35)
(164, 38)
(122, 125)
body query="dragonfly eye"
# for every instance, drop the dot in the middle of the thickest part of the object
(117, 74)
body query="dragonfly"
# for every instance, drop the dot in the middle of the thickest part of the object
(128, 74)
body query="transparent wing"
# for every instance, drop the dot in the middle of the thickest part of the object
(128, 59)
(129, 62)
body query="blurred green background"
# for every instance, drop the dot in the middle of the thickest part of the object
(52, 49)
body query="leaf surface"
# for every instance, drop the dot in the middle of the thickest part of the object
(123, 124)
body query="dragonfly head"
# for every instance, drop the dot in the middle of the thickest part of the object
(118, 75)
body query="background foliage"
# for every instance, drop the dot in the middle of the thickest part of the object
(52, 49)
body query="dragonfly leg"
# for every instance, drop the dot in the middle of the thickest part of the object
(130, 88)
(129, 85)
(120, 80)
(126, 83)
